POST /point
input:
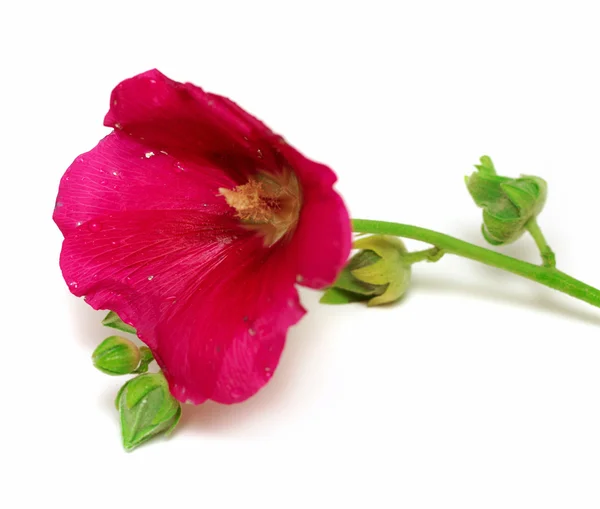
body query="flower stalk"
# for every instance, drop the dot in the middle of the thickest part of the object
(546, 275)
(548, 257)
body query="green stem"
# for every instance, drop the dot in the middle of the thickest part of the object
(548, 257)
(431, 255)
(548, 276)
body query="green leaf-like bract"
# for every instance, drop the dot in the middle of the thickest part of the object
(113, 320)
(335, 295)
(347, 288)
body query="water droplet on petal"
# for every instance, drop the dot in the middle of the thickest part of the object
(178, 167)
(148, 155)
(252, 332)
(95, 227)
(150, 278)
(73, 284)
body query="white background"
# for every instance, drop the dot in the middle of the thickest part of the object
(480, 390)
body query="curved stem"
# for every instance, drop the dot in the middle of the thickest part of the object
(548, 257)
(548, 276)
(433, 254)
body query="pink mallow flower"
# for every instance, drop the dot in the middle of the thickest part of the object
(193, 221)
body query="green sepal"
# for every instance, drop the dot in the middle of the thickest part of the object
(145, 360)
(346, 281)
(113, 320)
(116, 356)
(335, 295)
(174, 422)
(147, 409)
(347, 288)
(118, 396)
(487, 166)
(491, 240)
(520, 195)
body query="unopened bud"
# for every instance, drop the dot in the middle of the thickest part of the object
(507, 203)
(391, 271)
(377, 274)
(147, 409)
(116, 356)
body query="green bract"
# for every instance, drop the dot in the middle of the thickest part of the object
(116, 356)
(508, 204)
(147, 409)
(378, 273)
(113, 320)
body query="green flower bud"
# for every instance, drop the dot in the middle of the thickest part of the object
(508, 204)
(391, 271)
(378, 273)
(147, 409)
(116, 356)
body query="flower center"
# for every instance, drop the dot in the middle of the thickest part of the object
(269, 204)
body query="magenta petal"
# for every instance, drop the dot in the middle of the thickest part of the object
(207, 298)
(323, 238)
(231, 338)
(183, 119)
(123, 174)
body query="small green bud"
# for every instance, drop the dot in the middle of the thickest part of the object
(116, 356)
(391, 271)
(508, 204)
(147, 409)
(378, 273)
